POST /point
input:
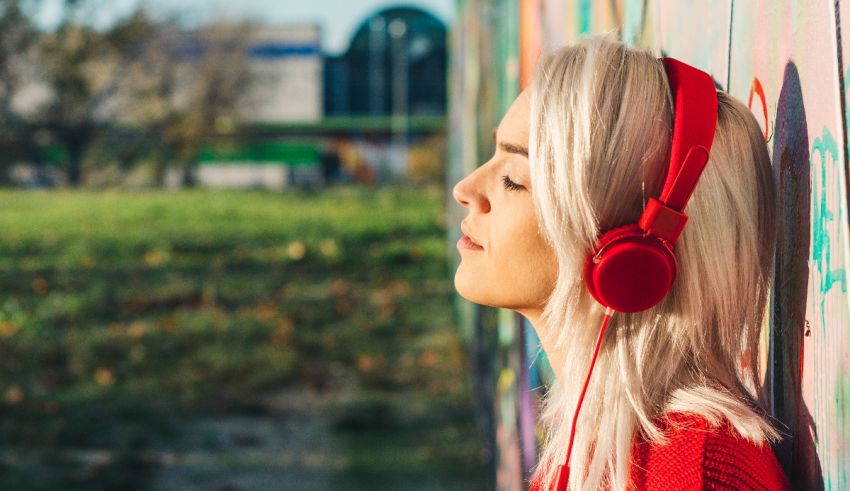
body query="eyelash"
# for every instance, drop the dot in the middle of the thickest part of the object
(510, 184)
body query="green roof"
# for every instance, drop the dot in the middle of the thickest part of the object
(284, 153)
(354, 124)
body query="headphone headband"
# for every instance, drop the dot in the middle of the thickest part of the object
(695, 103)
(695, 109)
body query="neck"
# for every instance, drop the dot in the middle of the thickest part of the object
(547, 339)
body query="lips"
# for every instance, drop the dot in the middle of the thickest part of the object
(469, 236)
(466, 243)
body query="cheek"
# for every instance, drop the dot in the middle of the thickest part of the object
(517, 270)
(534, 266)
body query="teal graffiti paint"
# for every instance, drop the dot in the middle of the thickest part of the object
(584, 13)
(632, 20)
(826, 146)
(824, 216)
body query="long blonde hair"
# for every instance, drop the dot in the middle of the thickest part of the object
(600, 130)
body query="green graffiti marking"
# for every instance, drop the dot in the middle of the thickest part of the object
(827, 277)
(827, 147)
(584, 14)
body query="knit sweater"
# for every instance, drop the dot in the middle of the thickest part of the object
(698, 456)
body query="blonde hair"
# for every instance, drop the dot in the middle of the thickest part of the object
(601, 124)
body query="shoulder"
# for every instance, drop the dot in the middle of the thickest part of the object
(698, 456)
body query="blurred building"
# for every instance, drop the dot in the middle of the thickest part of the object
(281, 84)
(396, 62)
(286, 75)
(365, 115)
(393, 77)
(276, 71)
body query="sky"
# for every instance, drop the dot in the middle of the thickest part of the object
(338, 18)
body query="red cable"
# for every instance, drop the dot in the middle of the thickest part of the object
(564, 470)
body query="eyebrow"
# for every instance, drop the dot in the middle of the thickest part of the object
(511, 147)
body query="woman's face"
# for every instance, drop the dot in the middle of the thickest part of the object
(514, 267)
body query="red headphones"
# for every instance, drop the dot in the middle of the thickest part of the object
(633, 266)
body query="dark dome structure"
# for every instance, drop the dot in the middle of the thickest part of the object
(395, 63)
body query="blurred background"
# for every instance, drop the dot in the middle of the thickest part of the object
(225, 259)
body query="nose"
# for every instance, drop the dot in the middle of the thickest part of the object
(469, 192)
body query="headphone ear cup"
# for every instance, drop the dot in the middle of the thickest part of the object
(630, 270)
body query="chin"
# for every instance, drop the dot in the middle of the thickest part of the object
(476, 290)
(469, 287)
(494, 293)
(461, 284)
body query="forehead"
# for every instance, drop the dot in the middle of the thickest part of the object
(514, 125)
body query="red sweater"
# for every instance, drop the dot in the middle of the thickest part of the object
(700, 457)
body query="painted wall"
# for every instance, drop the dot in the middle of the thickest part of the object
(787, 61)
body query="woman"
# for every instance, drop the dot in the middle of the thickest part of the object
(673, 401)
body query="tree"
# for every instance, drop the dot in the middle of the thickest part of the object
(17, 38)
(141, 80)
(82, 69)
(203, 82)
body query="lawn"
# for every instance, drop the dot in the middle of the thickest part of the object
(231, 340)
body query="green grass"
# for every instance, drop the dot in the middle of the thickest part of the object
(124, 315)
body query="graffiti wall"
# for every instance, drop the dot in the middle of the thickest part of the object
(483, 82)
(787, 62)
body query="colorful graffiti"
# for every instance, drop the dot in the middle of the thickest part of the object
(788, 62)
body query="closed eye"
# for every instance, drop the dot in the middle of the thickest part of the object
(510, 184)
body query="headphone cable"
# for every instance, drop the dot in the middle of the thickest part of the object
(564, 469)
